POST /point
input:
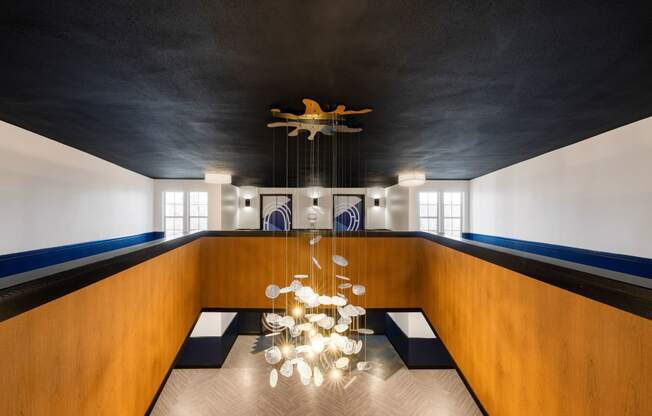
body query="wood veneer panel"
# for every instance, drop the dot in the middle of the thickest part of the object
(529, 348)
(236, 270)
(104, 349)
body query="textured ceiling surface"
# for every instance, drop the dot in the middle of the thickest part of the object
(170, 89)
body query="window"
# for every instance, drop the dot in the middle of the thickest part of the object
(198, 211)
(428, 211)
(453, 213)
(173, 215)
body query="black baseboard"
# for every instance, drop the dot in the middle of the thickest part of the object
(457, 368)
(167, 374)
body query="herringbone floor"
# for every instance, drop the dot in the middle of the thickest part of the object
(241, 387)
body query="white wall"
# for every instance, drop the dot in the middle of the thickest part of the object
(439, 186)
(595, 194)
(229, 207)
(52, 195)
(397, 208)
(188, 185)
(249, 217)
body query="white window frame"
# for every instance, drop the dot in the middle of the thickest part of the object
(198, 217)
(174, 203)
(444, 217)
(428, 205)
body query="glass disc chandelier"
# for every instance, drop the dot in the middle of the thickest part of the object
(320, 333)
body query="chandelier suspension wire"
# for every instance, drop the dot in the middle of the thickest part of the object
(322, 331)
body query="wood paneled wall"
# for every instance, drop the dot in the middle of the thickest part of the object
(526, 348)
(104, 349)
(529, 348)
(236, 270)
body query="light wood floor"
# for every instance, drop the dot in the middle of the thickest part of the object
(241, 387)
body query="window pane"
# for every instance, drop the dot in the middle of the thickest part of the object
(457, 224)
(203, 223)
(423, 198)
(457, 211)
(447, 210)
(423, 210)
(433, 224)
(194, 210)
(432, 199)
(423, 224)
(432, 210)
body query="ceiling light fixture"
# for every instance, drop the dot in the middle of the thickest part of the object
(410, 179)
(217, 178)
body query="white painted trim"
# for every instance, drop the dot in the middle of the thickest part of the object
(212, 324)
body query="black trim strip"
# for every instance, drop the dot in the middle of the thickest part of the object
(22, 292)
(457, 367)
(167, 374)
(583, 280)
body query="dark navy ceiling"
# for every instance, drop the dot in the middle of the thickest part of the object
(170, 89)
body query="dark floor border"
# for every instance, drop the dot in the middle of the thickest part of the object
(167, 374)
(457, 367)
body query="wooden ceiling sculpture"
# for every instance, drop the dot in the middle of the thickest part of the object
(309, 120)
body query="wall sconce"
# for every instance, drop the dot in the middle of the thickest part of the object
(247, 202)
(376, 202)
(315, 202)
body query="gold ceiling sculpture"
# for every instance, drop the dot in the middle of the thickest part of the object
(313, 128)
(313, 113)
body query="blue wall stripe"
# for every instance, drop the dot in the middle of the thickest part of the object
(35, 259)
(638, 266)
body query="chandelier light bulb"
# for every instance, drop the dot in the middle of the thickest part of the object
(335, 374)
(297, 311)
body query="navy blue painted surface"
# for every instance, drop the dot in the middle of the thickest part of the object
(638, 266)
(417, 352)
(35, 259)
(208, 352)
